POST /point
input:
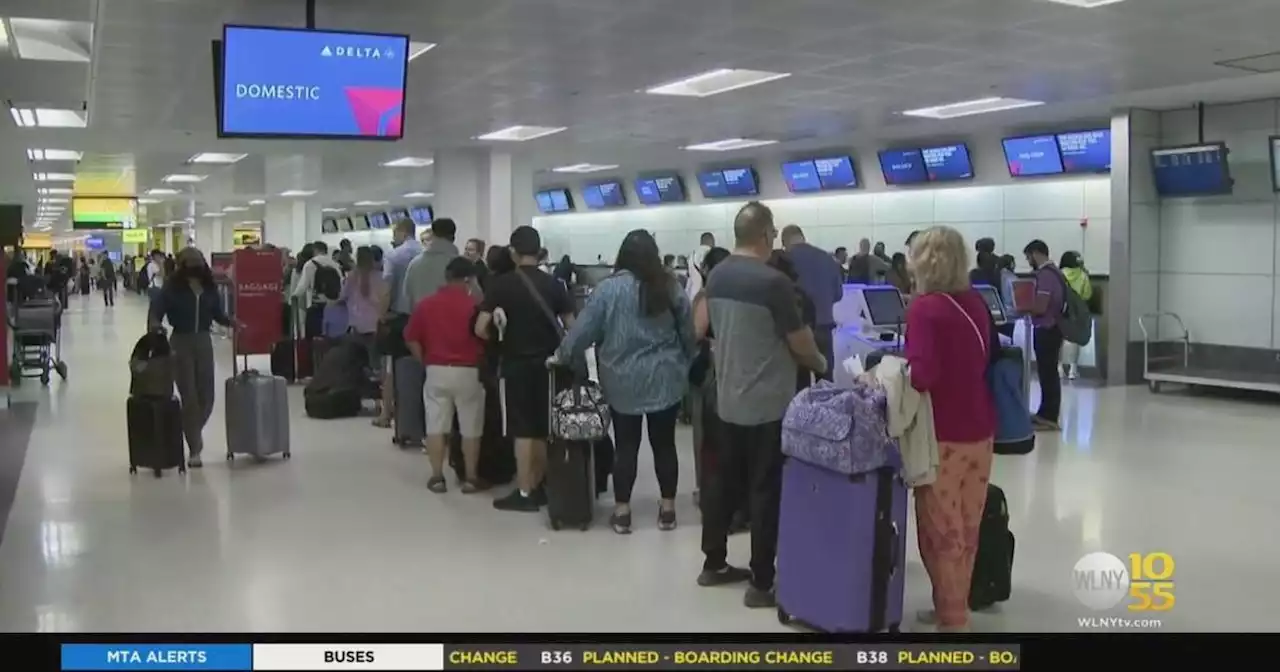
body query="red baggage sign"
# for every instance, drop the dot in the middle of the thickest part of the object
(258, 277)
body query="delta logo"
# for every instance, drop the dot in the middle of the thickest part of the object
(361, 53)
(377, 110)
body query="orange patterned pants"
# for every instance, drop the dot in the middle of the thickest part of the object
(948, 513)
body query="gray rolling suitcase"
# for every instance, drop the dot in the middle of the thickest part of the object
(410, 413)
(257, 411)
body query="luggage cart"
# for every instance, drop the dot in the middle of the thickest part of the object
(1170, 361)
(37, 353)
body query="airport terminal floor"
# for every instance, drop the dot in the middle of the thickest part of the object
(345, 536)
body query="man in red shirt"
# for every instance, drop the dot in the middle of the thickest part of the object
(440, 336)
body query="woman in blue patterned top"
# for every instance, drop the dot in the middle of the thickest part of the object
(639, 321)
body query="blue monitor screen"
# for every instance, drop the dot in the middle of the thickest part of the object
(1033, 155)
(740, 182)
(1086, 151)
(591, 195)
(1191, 171)
(360, 222)
(670, 188)
(903, 166)
(312, 83)
(560, 200)
(801, 177)
(93, 243)
(712, 183)
(606, 194)
(836, 172)
(544, 202)
(647, 191)
(947, 163)
(421, 214)
(378, 220)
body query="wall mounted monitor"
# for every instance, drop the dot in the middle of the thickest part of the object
(903, 166)
(1196, 170)
(421, 214)
(1033, 155)
(295, 83)
(947, 163)
(740, 182)
(801, 177)
(346, 224)
(361, 223)
(836, 172)
(603, 195)
(712, 184)
(398, 214)
(102, 212)
(329, 226)
(552, 201)
(95, 243)
(1086, 151)
(660, 189)
(378, 220)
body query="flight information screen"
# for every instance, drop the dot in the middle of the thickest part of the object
(801, 177)
(1191, 171)
(1086, 151)
(836, 172)
(712, 184)
(948, 162)
(903, 166)
(1033, 155)
(740, 182)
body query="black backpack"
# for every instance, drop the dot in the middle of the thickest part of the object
(993, 566)
(337, 388)
(327, 281)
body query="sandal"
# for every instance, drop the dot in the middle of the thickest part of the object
(621, 523)
(437, 485)
(472, 487)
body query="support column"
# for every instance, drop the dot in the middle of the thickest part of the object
(291, 224)
(488, 194)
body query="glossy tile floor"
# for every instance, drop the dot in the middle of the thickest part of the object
(345, 537)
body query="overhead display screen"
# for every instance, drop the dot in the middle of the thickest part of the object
(553, 201)
(346, 224)
(1199, 170)
(1086, 151)
(801, 177)
(947, 163)
(604, 195)
(712, 184)
(378, 220)
(329, 226)
(286, 82)
(398, 214)
(421, 214)
(662, 189)
(740, 182)
(903, 166)
(90, 214)
(1033, 155)
(836, 172)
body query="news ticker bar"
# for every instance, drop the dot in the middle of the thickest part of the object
(340, 656)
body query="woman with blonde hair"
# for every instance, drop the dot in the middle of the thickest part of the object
(949, 341)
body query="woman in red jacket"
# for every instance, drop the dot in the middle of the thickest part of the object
(949, 342)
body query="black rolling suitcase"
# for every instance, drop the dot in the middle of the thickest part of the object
(570, 484)
(993, 566)
(155, 434)
(408, 376)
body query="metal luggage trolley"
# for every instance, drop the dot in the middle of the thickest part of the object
(1171, 361)
(36, 326)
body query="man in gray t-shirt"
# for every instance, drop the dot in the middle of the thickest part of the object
(753, 314)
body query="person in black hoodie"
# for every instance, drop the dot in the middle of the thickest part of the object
(190, 302)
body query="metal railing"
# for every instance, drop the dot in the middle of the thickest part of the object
(1147, 335)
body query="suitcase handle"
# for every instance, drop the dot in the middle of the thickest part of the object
(895, 551)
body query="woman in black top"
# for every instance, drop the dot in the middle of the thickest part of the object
(190, 302)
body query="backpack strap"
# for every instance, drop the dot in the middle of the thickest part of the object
(982, 342)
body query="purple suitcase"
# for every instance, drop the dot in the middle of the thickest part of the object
(841, 549)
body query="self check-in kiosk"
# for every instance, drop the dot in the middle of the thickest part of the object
(869, 318)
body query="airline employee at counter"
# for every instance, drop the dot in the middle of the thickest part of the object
(822, 280)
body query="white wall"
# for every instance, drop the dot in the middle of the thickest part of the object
(1215, 258)
(1013, 213)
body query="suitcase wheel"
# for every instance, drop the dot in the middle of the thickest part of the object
(286, 455)
(555, 524)
(231, 457)
(133, 469)
(182, 468)
(895, 628)
(783, 617)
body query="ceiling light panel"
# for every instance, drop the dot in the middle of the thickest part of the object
(43, 117)
(409, 162)
(212, 214)
(159, 191)
(417, 49)
(148, 201)
(585, 168)
(1087, 4)
(419, 194)
(216, 158)
(971, 107)
(54, 177)
(729, 145)
(297, 193)
(716, 82)
(183, 178)
(52, 40)
(369, 204)
(522, 133)
(257, 201)
(53, 155)
(54, 190)
(234, 208)
(333, 210)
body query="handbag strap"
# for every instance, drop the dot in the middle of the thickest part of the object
(542, 303)
(982, 342)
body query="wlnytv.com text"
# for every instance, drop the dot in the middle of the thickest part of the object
(1117, 623)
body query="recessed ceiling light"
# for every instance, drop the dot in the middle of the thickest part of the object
(369, 204)
(333, 209)
(522, 133)
(44, 117)
(716, 81)
(148, 201)
(52, 39)
(160, 191)
(183, 178)
(215, 157)
(419, 194)
(417, 49)
(584, 168)
(54, 177)
(54, 190)
(729, 145)
(971, 107)
(1087, 4)
(234, 208)
(297, 193)
(257, 201)
(211, 214)
(409, 162)
(53, 155)
(52, 200)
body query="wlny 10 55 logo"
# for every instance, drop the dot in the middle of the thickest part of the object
(1102, 581)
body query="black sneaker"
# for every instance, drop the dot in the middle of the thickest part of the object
(539, 495)
(759, 598)
(621, 523)
(667, 519)
(516, 502)
(723, 576)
